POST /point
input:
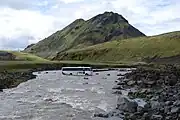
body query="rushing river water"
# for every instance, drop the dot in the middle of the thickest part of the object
(52, 96)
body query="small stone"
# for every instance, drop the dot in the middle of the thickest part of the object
(121, 83)
(169, 103)
(38, 96)
(175, 110)
(101, 115)
(97, 73)
(117, 87)
(156, 117)
(139, 82)
(172, 82)
(86, 78)
(168, 118)
(121, 78)
(117, 92)
(166, 109)
(149, 82)
(119, 74)
(132, 116)
(49, 100)
(140, 110)
(85, 83)
(143, 91)
(130, 83)
(155, 105)
(147, 107)
(155, 98)
(146, 116)
(177, 103)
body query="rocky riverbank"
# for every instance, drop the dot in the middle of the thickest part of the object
(158, 88)
(13, 79)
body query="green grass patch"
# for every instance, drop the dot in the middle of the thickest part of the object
(28, 56)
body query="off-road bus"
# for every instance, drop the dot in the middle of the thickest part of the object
(77, 71)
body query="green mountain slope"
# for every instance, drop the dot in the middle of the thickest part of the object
(154, 48)
(99, 29)
(19, 56)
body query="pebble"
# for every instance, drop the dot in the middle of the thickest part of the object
(101, 115)
(156, 117)
(175, 110)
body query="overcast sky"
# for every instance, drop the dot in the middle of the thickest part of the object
(23, 22)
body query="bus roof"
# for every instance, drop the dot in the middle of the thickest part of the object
(76, 67)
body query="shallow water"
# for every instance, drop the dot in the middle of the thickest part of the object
(52, 96)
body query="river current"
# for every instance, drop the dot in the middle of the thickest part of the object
(53, 96)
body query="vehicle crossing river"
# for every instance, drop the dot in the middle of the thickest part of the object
(53, 96)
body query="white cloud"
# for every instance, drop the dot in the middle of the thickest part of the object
(17, 23)
(32, 21)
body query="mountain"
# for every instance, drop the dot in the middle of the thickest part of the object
(161, 48)
(102, 28)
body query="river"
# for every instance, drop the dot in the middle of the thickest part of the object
(53, 96)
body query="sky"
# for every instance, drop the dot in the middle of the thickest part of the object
(23, 22)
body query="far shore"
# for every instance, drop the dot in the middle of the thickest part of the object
(15, 72)
(56, 65)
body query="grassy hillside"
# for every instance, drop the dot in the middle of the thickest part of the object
(135, 49)
(99, 29)
(28, 57)
(21, 60)
(25, 62)
(21, 56)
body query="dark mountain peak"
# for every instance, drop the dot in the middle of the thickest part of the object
(80, 33)
(79, 20)
(76, 24)
(108, 18)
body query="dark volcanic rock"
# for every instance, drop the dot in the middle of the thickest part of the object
(101, 115)
(13, 79)
(159, 87)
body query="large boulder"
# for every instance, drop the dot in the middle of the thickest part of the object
(126, 104)
(6, 56)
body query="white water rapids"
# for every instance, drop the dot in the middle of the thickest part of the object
(53, 96)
